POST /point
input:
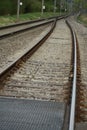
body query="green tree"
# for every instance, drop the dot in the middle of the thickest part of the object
(80, 5)
(10, 6)
(7, 7)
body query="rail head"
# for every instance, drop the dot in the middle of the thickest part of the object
(73, 97)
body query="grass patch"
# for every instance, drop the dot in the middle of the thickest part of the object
(83, 19)
(6, 20)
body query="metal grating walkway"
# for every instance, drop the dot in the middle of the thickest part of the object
(19, 114)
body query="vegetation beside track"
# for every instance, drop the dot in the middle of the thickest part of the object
(5, 20)
(83, 19)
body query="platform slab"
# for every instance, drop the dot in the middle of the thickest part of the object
(21, 114)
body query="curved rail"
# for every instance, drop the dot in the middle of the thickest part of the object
(73, 99)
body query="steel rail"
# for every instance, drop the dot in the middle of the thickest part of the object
(73, 99)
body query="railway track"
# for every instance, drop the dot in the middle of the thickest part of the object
(29, 22)
(44, 74)
(15, 30)
(30, 64)
(13, 47)
(10, 30)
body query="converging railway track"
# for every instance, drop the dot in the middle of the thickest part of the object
(5, 32)
(10, 30)
(44, 70)
(44, 74)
